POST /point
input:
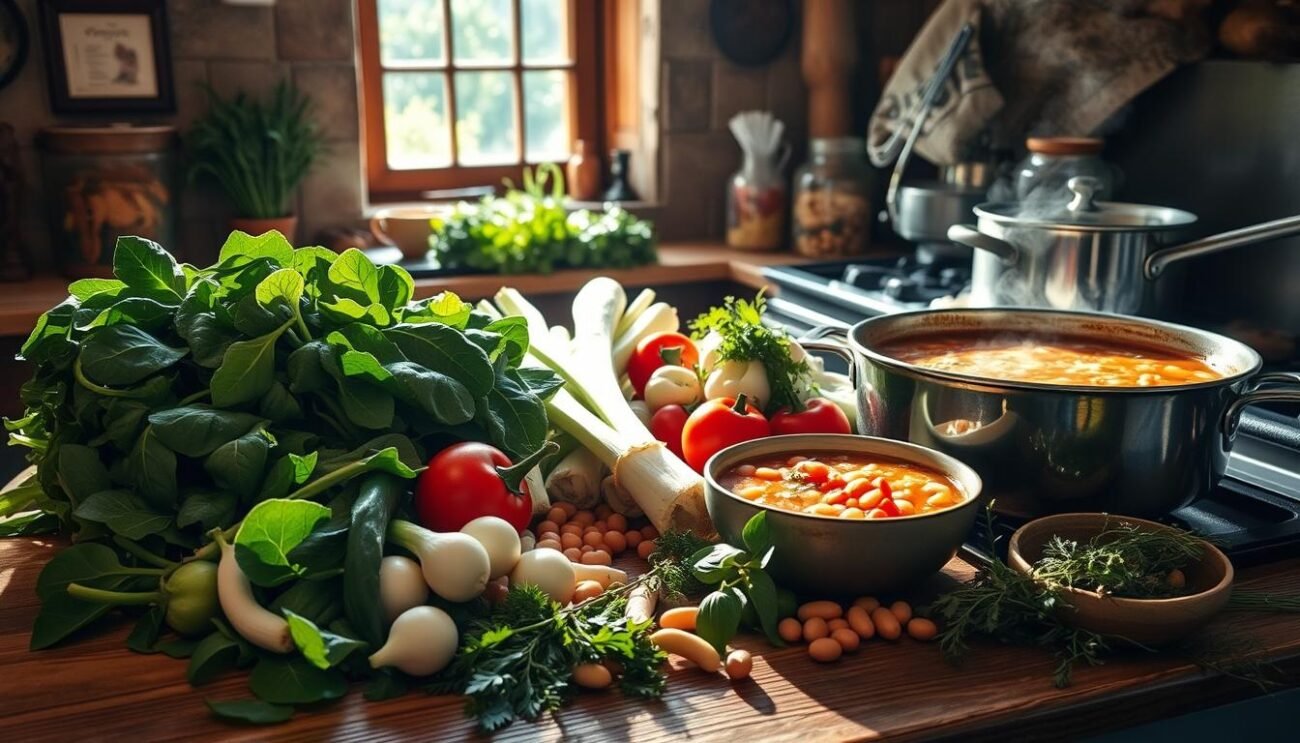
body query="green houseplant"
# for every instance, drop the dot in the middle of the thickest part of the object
(257, 151)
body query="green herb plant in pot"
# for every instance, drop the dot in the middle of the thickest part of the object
(257, 151)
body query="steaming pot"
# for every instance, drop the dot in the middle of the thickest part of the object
(1086, 255)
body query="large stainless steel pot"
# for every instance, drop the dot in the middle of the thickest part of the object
(1042, 448)
(1088, 255)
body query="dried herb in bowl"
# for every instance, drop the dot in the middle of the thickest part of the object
(1124, 560)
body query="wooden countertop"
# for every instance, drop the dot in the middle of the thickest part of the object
(95, 688)
(21, 304)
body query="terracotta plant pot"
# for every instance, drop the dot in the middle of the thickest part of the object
(287, 226)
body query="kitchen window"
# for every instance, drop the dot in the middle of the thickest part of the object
(462, 93)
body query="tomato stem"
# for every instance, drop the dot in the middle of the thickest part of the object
(513, 476)
(742, 402)
(671, 355)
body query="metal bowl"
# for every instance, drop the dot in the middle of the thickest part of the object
(824, 556)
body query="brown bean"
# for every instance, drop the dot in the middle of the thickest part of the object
(570, 540)
(633, 538)
(603, 511)
(824, 609)
(592, 676)
(568, 508)
(615, 541)
(574, 529)
(837, 623)
(790, 629)
(644, 549)
(586, 589)
(901, 610)
(617, 522)
(557, 515)
(550, 544)
(739, 664)
(593, 539)
(825, 650)
(583, 518)
(554, 537)
(649, 532)
(887, 625)
(573, 553)
(597, 557)
(814, 629)
(922, 629)
(1176, 579)
(683, 618)
(847, 638)
(867, 602)
(860, 620)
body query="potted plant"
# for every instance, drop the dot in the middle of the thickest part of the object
(258, 152)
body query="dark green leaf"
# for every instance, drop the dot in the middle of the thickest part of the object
(514, 416)
(148, 269)
(355, 276)
(148, 628)
(757, 535)
(254, 319)
(141, 312)
(541, 382)
(208, 339)
(208, 509)
(267, 535)
(84, 289)
(295, 681)
(321, 648)
(151, 467)
(718, 619)
(761, 592)
(124, 513)
(447, 351)
(514, 337)
(367, 338)
(365, 405)
(315, 600)
(214, 655)
(247, 370)
(238, 466)
(306, 370)
(713, 564)
(81, 472)
(251, 711)
(197, 430)
(60, 616)
(279, 405)
(371, 514)
(125, 354)
(122, 421)
(385, 685)
(179, 648)
(442, 397)
(86, 563)
(445, 308)
(395, 286)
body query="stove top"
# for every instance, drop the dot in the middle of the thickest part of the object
(1253, 515)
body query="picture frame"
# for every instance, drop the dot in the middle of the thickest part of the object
(107, 56)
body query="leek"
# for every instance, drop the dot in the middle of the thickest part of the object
(660, 318)
(576, 479)
(634, 310)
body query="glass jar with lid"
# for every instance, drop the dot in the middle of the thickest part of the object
(832, 208)
(1052, 161)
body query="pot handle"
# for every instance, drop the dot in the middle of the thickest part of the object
(1157, 261)
(967, 235)
(832, 340)
(1271, 387)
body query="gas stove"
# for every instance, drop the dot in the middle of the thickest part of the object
(1254, 513)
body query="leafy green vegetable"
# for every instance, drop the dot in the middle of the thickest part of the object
(214, 655)
(251, 711)
(528, 230)
(746, 338)
(1123, 559)
(269, 533)
(742, 584)
(371, 513)
(321, 648)
(294, 680)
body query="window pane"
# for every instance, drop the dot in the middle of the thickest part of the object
(546, 120)
(485, 111)
(481, 31)
(545, 26)
(410, 31)
(415, 120)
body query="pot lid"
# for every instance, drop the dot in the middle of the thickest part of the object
(1081, 212)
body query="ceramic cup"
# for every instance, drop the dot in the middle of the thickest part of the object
(407, 227)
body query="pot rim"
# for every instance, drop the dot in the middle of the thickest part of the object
(991, 383)
(954, 469)
(1171, 218)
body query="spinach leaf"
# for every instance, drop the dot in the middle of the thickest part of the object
(314, 600)
(141, 312)
(61, 615)
(208, 509)
(285, 285)
(125, 354)
(355, 277)
(514, 416)
(719, 618)
(148, 269)
(365, 405)
(541, 382)
(445, 308)
(151, 469)
(238, 465)
(293, 680)
(251, 711)
(87, 563)
(81, 472)
(122, 420)
(208, 339)
(242, 247)
(306, 368)
(197, 430)
(439, 395)
(370, 516)
(279, 405)
(267, 535)
(84, 289)
(214, 655)
(445, 350)
(395, 286)
(247, 370)
(124, 513)
(148, 628)
(321, 648)
(367, 338)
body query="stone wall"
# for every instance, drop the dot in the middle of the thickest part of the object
(231, 48)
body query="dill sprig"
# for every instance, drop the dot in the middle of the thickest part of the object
(671, 561)
(1122, 560)
(746, 338)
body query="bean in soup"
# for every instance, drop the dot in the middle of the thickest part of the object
(1065, 361)
(842, 485)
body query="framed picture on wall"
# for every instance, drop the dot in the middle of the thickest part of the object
(107, 56)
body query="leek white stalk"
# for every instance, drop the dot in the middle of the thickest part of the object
(576, 479)
(537, 491)
(634, 310)
(660, 318)
(618, 499)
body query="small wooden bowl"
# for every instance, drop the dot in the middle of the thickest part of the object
(1147, 622)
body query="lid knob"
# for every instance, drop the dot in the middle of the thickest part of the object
(1084, 188)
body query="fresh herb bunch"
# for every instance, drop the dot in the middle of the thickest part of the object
(1013, 608)
(518, 664)
(745, 338)
(257, 151)
(1121, 560)
(528, 230)
(295, 391)
(672, 565)
(742, 587)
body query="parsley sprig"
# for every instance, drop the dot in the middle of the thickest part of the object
(746, 338)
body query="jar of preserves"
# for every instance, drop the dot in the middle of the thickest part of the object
(832, 211)
(1052, 161)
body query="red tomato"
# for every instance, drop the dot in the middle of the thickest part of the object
(659, 349)
(462, 483)
(717, 424)
(818, 416)
(667, 424)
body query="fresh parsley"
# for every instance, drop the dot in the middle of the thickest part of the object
(745, 338)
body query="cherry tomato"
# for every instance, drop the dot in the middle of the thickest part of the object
(818, 416)
(659, 349)
(667, 424)
(717, 424)
(463, 483)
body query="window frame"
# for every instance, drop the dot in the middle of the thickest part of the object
(388, 184)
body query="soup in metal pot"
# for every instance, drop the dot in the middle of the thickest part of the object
(1052, 360)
